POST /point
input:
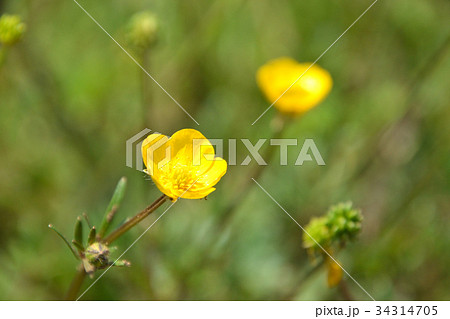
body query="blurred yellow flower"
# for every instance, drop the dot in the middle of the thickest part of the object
(276, 76)
(183, 165)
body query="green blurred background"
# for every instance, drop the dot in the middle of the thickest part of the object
(70, 98)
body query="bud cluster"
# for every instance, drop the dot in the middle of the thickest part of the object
(341, 224)
(344, 222)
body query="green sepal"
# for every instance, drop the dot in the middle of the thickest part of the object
(78, 233)
(88, 267)
(65, 240)
(92, 234)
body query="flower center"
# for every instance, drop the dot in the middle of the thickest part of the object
(179, 179)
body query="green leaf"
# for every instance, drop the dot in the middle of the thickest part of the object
(65, 240)
(113, 206)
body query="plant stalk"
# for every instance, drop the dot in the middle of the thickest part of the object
(343, 288)
(145, 87)
(77, 282)
(134, 220)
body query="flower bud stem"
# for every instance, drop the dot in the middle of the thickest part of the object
(147, 110)
(3, 53)
(343, 288)
(76, 284)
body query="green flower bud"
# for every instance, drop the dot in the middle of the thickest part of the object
(142, 30)
(11, 29)
(317, 229)
(343, 222)
(97, 255)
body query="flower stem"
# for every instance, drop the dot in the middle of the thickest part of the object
(3, 53)
(145, 87)
(343, 288)
(134, 220)
(76, 284)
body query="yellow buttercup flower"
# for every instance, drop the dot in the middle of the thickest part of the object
(183, 165)
(276, 76)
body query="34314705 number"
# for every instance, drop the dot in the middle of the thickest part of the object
(405, 310)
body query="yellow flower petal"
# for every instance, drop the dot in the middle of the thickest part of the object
(155, 152)
(335, 273)
(198, 194)
(191, 148)
(212, 176)
(164, 189)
